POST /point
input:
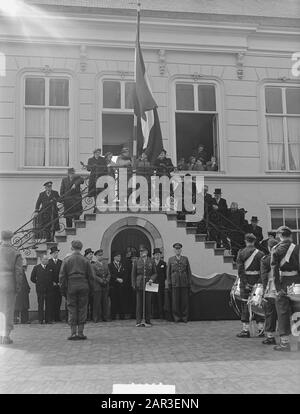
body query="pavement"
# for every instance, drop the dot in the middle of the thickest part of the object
(197, 357)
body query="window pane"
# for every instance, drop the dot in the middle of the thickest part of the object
(293, 100)
(34, 152)
(34, 122)
(290, 218)
(206, 98)
(275, 143)
(293, 127)
(273, 100)
(59, 92)
(185, 97)
(59, 138)
(111, 94)
(276, 218)
(117, 132)
(35, 91)
(34, 137)
(129, 91)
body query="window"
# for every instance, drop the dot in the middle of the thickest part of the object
(282, 112)
(196, 119)
(287, 216)
(46, 115)
(117, 115)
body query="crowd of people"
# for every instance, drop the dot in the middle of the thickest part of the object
(198, 161)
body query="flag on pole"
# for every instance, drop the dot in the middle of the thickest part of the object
(149, 136)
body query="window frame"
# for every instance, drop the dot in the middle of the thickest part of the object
(219, 112)
(284, 115)
(52, 75)
(286, 207)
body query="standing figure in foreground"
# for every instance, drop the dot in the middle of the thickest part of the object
(143, 271)
(118, 276)
(70, 193)
(76, 281)
(10, 284)
(46, 212)
(179, 277)
(285, 263)
(54, 265)
(101, 288)
(248, 264)
(161, 270)
(22, 299)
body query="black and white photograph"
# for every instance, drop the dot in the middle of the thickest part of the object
(150, 200)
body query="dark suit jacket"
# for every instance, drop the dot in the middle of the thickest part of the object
(164, 167)
(222, 206)
(161, 270)
(117, 274)
(71, 197)
(48, 207)
(257, 231)
(277, 254)
(43, 278)
(55, 269)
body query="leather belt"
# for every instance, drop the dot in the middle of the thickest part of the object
(252, 272)
(291, 273)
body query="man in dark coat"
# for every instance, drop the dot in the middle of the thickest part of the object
(286, 270)
(217, 216)
(10, 284)
(41, 276)
(46, 212)
(71, 197)
(89, 254)
(255, 229)
(163, 165)
(54, 265)
(179, 278)
(143, 272)
(76, 279)
(248, 265)
(98, 167)
(118, 277)
(161, 271)
(22, 299)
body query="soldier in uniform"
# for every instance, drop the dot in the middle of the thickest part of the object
(268, 303)
(47, 216)
(248, 264)
(54, 265)
(89, 254)
(101, 288)
(10, 284)
(161, 270)
(179, 277)
(143, 271)
(76, 280)
(285, 264)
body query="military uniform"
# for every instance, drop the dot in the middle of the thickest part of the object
(47, 219)
(248, 278)
(179, 277)
(142, 272)
(286, 272)
(268, 303)
(101, 291)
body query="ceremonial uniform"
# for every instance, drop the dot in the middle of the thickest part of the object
(54, 266)
(101, 291)
(179, 278)
(47, 218)
(142, 272)
(42, 277)
(285, 263)
(268, 303)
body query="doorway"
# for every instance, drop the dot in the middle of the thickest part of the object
(130, 238)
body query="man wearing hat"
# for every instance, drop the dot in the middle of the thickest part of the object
(248, 265)
(76, 280)
(54, 265)
(97, 167)
(267, 280)
(118, 277)
(101, 288)
(179, 278)
(255, 229)
(286, 271)
(10, 284)
(161, 271)
(71, 197)
(218, 214)
(46, 212)
(143, 272)
(89, 254)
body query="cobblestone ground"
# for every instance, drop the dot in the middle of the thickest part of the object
(198, 357)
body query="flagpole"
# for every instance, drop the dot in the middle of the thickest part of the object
(134, 149)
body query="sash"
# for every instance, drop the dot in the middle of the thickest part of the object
(250, 259)
(287, 257)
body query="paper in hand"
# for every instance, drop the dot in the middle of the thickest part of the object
(151, 288)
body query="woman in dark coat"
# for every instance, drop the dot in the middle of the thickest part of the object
(22, 300)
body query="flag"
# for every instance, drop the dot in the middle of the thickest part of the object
(149, 136)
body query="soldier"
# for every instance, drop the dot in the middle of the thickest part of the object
(10, 284)
(248, 264)
(179, 277)
(76, 280)
(101, 288)
(143, 271)
(161, 270)
(268, 303)
(70, 193)
(285, 263)
(89, 254)
(54, 265)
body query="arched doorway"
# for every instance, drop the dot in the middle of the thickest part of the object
(130, 238)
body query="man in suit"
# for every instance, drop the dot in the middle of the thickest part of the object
(161, 271)
(255, 229)
(42, 277)
(70, 193)
(118, 276)
(97, 167)
(286, 271)
(54, 265)
(179, 278)
(248, 265)
(10, 284)
(76, 280)
(217, 216)
(46, 212)
(143, 272)
(101, 288)
(22, 300)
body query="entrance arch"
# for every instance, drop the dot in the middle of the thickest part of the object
(131, 237)
(130, 223)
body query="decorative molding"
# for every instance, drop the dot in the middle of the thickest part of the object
(125, 74)
(46, 70)
(162, 61)
(83, 58)
(240, 65)
(284, 78)
(196, 76)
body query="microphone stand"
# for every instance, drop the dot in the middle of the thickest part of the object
(143, 323)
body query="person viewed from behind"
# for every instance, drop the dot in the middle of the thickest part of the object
(41, 276)
(71, 197)
(76, 280)
(11, 272)
(101, 288)
(22, 300)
